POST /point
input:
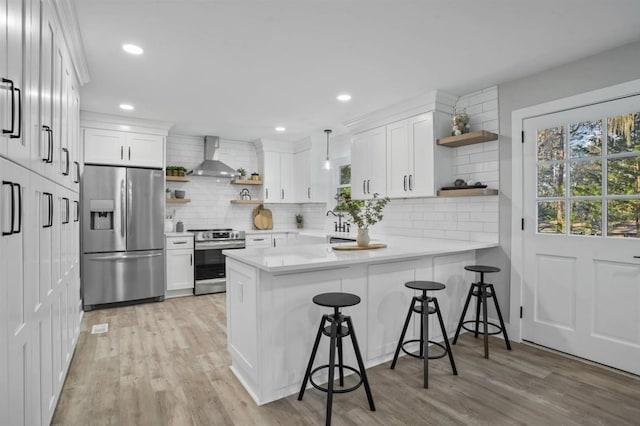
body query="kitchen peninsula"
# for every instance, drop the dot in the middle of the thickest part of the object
(272, 322)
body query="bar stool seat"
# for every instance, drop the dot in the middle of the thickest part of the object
(482, 291)
(336, 332)
(422, 305)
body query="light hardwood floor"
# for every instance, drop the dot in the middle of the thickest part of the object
(167, 364)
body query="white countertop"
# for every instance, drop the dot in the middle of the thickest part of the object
(178, 234)
(319, 256)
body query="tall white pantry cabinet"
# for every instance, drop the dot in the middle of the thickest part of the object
(40, 166)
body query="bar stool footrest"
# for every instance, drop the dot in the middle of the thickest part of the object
(323, 389)
(480, 327)
(437, 356)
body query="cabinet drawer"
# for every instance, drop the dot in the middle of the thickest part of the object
(174, 243)
(258, 240)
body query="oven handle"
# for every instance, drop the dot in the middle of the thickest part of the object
(220, 246)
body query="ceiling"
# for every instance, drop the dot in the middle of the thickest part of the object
(237, 69)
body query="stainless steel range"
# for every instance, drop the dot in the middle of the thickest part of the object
(209, 260)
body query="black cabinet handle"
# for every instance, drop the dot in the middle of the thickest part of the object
(49, 223)
(13, 104)
(308, 192)
(13, 207)
(19, 188)
(266, 193)
(49, 158)
(368, 186)
(129, 153)
(121, 152)
(636, 257)
(66, 152)
(77, 211)
(410, 182)
(77, 172)
(364, 186)
(282, 194)
(405, 182)
(191, 257)
(66, 216)
(19, 135)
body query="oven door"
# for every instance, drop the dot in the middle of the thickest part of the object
(210, 265)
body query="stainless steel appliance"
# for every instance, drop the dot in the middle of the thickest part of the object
(210, 275)
(122, 235)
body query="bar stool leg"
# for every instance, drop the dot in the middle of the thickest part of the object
(483, 290)
(404, 331)
(363, 373)
(464, 312)
(332, 362)
(312, 358)
(478, 306)
(504, 329)
(445, 337)
(340, 364)
(425, 338)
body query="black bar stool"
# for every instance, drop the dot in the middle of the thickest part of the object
(336, 332)
(418, 305)
(482, 291)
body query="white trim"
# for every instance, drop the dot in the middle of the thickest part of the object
(97, 120)
(68, 18)
(517, 241)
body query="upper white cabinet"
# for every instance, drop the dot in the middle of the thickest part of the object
(368, 164)
(123, 148)
(410, 157)
(277, 176)
(310, 179)
(303, 192)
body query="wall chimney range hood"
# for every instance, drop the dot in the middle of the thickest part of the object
(211, 166)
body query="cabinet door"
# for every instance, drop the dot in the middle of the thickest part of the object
(302, 176)
(377, 180)
(279, 239)
(104, 147)
(422, 160)
(271, 176)
(259, 240)
(144, 150)
(286, 178)
(179, 269)
(398, 154)
(359, 166)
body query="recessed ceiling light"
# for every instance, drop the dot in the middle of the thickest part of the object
(133, 49)
(280, 129)
(126, 107)
(344, 97)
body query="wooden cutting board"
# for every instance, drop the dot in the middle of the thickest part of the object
(262, 218)
(369, 247)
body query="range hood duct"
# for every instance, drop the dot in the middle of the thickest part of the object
(211, 166)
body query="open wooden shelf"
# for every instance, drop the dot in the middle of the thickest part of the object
(247, 202)
(246, 182)
(467, 192)
(467, 139)
(178, 200)
(177, 179)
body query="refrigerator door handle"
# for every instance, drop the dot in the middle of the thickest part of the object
(129, 205)
(126, 256)
(122, 208)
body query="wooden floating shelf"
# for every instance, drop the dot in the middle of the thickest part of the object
(246, 182)
(247, 202)
(467, 139)
(178, 200)
(468, 192)
(177, 179)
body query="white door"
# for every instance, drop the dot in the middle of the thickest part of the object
(286, 178)
(422, 162)
(179, 269)
(104, 147)
(581, 203)
(144, 150)
(398, 154)
(359, 166)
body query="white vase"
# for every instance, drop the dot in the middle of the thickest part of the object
(363, 237)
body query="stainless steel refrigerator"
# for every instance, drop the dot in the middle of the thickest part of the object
(122, 235)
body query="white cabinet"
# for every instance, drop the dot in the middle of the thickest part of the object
(310, 180)
(280, 239)
(368, 167)
(270, 239)
(277, 177)
(302, 176)
(410, 157)
(179, 266)
(122, 148)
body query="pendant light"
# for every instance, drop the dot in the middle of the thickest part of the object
(327, 163)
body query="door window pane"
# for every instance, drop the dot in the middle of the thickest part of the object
(586, 217)
(623, 176)
(551, 178)
(623, 133)
(550, 143)
(551, 217)
(585, 139)
(586, 178)
(623, 218)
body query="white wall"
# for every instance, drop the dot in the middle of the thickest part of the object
(605, 69)
(210, 205)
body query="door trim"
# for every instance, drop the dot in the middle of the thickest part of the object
(630, 88)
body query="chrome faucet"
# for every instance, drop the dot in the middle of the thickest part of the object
(339, 226)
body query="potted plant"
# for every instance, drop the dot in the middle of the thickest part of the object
(299, 220)
(181, 170)
(364, 214)
(243, 173)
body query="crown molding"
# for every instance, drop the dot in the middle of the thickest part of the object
(68, 19)
(98, 120)
(428, 101)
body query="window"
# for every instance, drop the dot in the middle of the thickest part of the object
(344, 184)
(589, 183)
